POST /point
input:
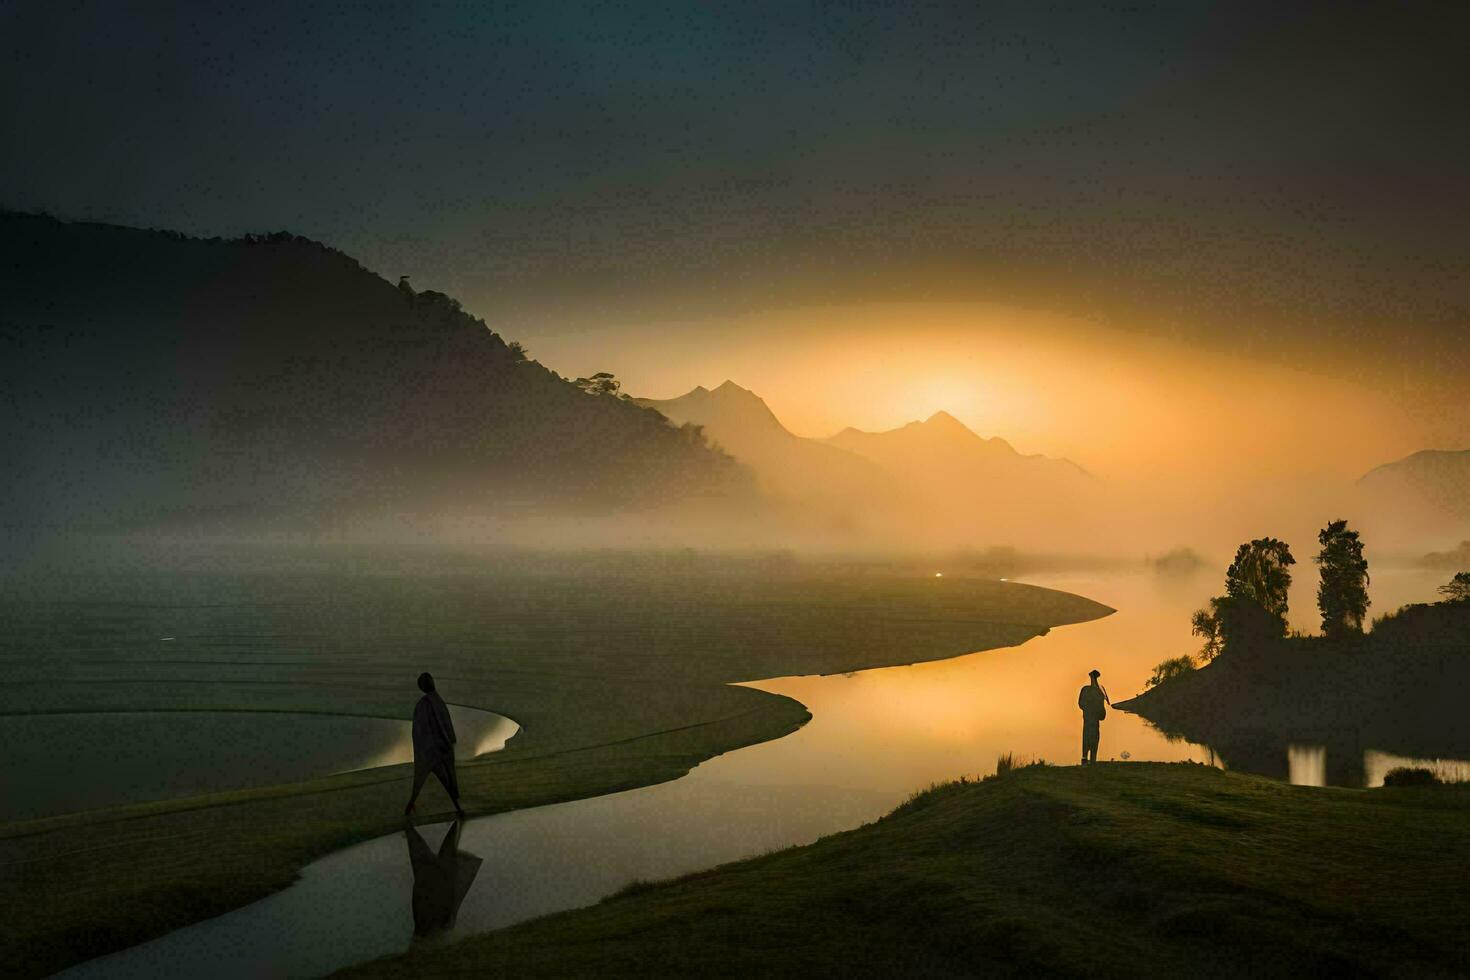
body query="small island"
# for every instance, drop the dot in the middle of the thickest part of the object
(1397, 687)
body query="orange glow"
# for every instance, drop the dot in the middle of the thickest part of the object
(1189, 445)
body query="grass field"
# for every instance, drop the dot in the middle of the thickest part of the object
(618, 674)
(1115, 869)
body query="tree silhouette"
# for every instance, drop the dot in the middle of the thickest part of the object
(1170, 669)
(1457, 589)
(1253, 610)
(1260, 574)
(601, 383)
(1206, 623)
(1342, 594)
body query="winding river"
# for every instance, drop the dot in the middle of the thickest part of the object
(875, 737)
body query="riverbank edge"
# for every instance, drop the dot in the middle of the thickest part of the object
(84, 885)
(1170, 869)
(252, 843)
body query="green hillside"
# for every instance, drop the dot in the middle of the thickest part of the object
(1110, 870)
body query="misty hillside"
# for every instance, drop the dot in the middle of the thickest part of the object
(980, 489)
(931, 483)
(153, 378)
(739, 421)
(1423, 498)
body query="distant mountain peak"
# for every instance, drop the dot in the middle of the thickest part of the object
(728, 399)
(1421, 460)
(939, 433)
(731, 390)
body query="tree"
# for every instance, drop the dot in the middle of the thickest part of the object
(1252, 612)
(1342, 593)
(693, 434)
(1170, 669)
(517, 350)
(1206, 623)
(1457, 589)
(601, 383)
(1260, 574)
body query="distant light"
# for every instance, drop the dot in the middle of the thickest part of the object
(939, 575)
(1004, 579)
(164, 639)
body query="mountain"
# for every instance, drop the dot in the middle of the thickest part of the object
(943, 440)
(931, 483)
(1422, 499)
(796, 468)
(153, 379)
(978, 489)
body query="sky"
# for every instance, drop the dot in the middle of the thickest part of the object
(1073, 225)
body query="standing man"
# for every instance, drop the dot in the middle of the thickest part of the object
(1093, 701)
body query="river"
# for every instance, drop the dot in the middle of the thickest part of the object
(875, 737)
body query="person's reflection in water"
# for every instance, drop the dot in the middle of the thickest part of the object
(433, 744)
(440, 881)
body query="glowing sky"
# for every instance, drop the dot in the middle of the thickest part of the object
(1116, 402)
(682, 193)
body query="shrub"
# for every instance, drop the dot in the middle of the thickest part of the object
(1456, 589)
(1007, 763)
(1170, 669)
(637, 886)
(1404, 776)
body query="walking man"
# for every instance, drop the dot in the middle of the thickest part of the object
(1093, 701)
(433, 744)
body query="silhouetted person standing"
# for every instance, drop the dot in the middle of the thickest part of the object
(1093, 701)
(433, 744)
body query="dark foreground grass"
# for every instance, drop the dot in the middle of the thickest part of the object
(1112, 869)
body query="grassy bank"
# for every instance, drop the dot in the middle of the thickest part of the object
(1115, 869)
(619, 678)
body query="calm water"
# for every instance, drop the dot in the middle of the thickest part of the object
(875, 737)
(135, 756)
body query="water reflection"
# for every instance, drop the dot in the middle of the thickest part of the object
(441, 879)
(479, 732)
(1377, 764)
(1307, 765)
(114, 758)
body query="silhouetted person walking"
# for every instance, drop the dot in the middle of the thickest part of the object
(433, 744)
(1093, 701)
